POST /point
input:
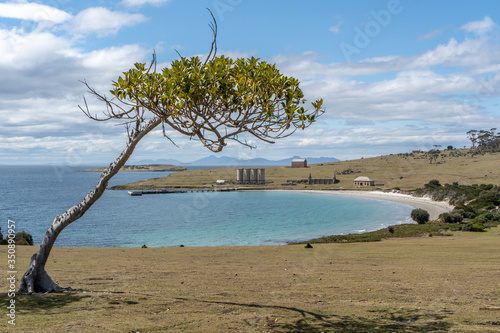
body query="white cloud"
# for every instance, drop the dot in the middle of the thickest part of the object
(113, 58)
(412, 96)
(33, 12)
(137, 3)
(370, 141)
(479, 27)
(42, 65)
(26, 50)
(102, 22)
(433, 33)
(473, 53)
(470, 52)
(336, 28)
(40, 92)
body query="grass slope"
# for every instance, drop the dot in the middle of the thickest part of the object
(429, 229)
(403, 171)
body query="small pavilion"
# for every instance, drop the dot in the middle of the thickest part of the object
(364, 181)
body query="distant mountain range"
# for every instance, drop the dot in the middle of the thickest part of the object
(231, 161)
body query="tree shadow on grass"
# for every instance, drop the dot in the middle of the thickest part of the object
(404, 320)
(412, 321)
(42, 302)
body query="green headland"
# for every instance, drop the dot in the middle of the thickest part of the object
(405, 172)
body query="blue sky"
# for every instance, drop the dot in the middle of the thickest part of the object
(395, 75)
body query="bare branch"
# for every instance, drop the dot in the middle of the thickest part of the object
(153, 62)
(213, 48)
(165, 135)
(113, 110)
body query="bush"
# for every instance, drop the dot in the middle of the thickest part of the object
(420, 215)
(451, 218)
(487, 216)
(23, 238)
(479, 220)
(486, 187)
(473, 227)
(433, 183)
(468, 212)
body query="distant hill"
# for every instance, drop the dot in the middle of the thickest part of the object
(231, 161)
(160, 161)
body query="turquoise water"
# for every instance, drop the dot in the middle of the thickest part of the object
(33, 196)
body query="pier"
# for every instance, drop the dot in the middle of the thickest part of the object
(166, 191)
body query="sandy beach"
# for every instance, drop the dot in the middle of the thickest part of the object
(435, 208)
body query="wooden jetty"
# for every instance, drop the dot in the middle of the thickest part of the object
(163, 191)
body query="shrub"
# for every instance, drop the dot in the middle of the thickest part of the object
(451, 218)
(489, 199)
(23, 238)
(473, 227)
(444, 217)
(468, 212)
(420, 215)
(486, 187)
(479, 220)
(487, 216)
(434, 183)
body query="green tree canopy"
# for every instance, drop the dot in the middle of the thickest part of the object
(218, 99)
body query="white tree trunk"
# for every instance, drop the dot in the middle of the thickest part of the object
(36, 278)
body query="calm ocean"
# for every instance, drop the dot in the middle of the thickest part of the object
(33, 195)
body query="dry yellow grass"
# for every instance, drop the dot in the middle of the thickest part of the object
(415, 285)
(392, 171)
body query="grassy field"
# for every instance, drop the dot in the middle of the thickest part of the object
(403, 171)
(427, 284)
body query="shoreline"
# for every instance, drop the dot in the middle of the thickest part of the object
(435, 208)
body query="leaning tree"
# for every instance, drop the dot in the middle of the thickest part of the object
(213, 101)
